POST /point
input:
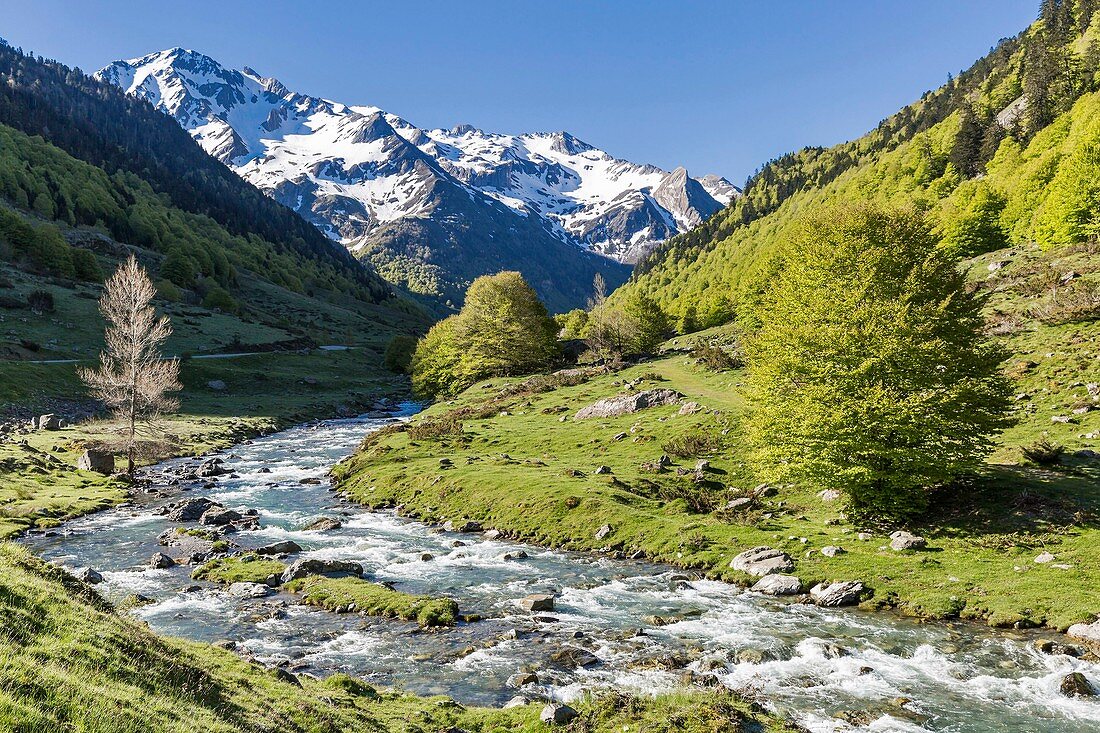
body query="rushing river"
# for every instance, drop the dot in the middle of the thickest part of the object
(809, 662)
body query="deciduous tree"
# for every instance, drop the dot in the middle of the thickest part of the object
(869, 372)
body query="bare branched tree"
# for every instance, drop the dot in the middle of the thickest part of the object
(133, 378)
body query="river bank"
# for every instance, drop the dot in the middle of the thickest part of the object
(1002, 548)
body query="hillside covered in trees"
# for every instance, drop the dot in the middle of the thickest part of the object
(82, 153)
(1002, 155)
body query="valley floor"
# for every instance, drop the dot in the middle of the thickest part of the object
(510, 455)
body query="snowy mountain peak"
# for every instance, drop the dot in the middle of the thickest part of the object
(353, 169)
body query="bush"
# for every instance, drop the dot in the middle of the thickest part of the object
(168, 290)
(435, 429)
(41, 301)
(399, 354)
(217, 298)
(693, 444)
(1043, 453)
(717, 359)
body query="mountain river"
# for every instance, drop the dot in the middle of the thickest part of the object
(895, 674)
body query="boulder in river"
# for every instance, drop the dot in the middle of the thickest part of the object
(324, 524)
(523, 678)
(89, 576)
(776, 584)
(285, 547)
(626, 404)
(1076, 684)
(250, 590)
(538, 602)
(839, 593)
(902, 540)
(219, 516)
(316, 566)
(210, 468)
(96, 460)
(189, 510)
(160, 561)
(763, 560)
(573, 657)
(557, 713)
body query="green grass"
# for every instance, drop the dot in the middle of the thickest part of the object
(374, 600)
(240, 569)
(68, 661)
(334, 594)
(531, 474)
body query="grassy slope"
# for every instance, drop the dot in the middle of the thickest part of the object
(516, 472)
(68, 661)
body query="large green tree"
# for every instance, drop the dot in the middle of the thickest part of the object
(869, 372)
(502, 329)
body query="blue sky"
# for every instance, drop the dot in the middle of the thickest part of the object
(715, 86)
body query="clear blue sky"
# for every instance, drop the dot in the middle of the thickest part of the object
(715, 86)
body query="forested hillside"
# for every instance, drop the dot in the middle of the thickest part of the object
(115, 163)
(1004, 154)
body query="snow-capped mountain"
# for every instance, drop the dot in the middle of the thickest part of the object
(399, 195)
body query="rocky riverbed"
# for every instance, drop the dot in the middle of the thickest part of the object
(553, 624)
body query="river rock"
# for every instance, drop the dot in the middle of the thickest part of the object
(219, 517)
(626, 404)
(778, 585)
(189, 510)
(1085, 632)
(573, 657)
(762, 560)
(96, 460)
(89, 576)
(324, 524)
(250, 590)
(160, 561)
(1076, 684)
(841, 593)
(523, 678)
(210, 468)
(902, 540)
(316, 566)
(537, 602)
(285, 547)
(557, 713)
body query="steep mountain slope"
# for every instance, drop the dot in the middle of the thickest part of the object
(431, 209)
(135, 147)
(1001, 155)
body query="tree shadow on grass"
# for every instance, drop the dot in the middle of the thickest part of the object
(1019, 500)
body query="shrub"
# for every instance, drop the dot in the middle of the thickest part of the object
(40, 301)
(1043, 453)
(217, 298)
(717, 359)
(693, 444)
(169, 291)
(435, 428)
